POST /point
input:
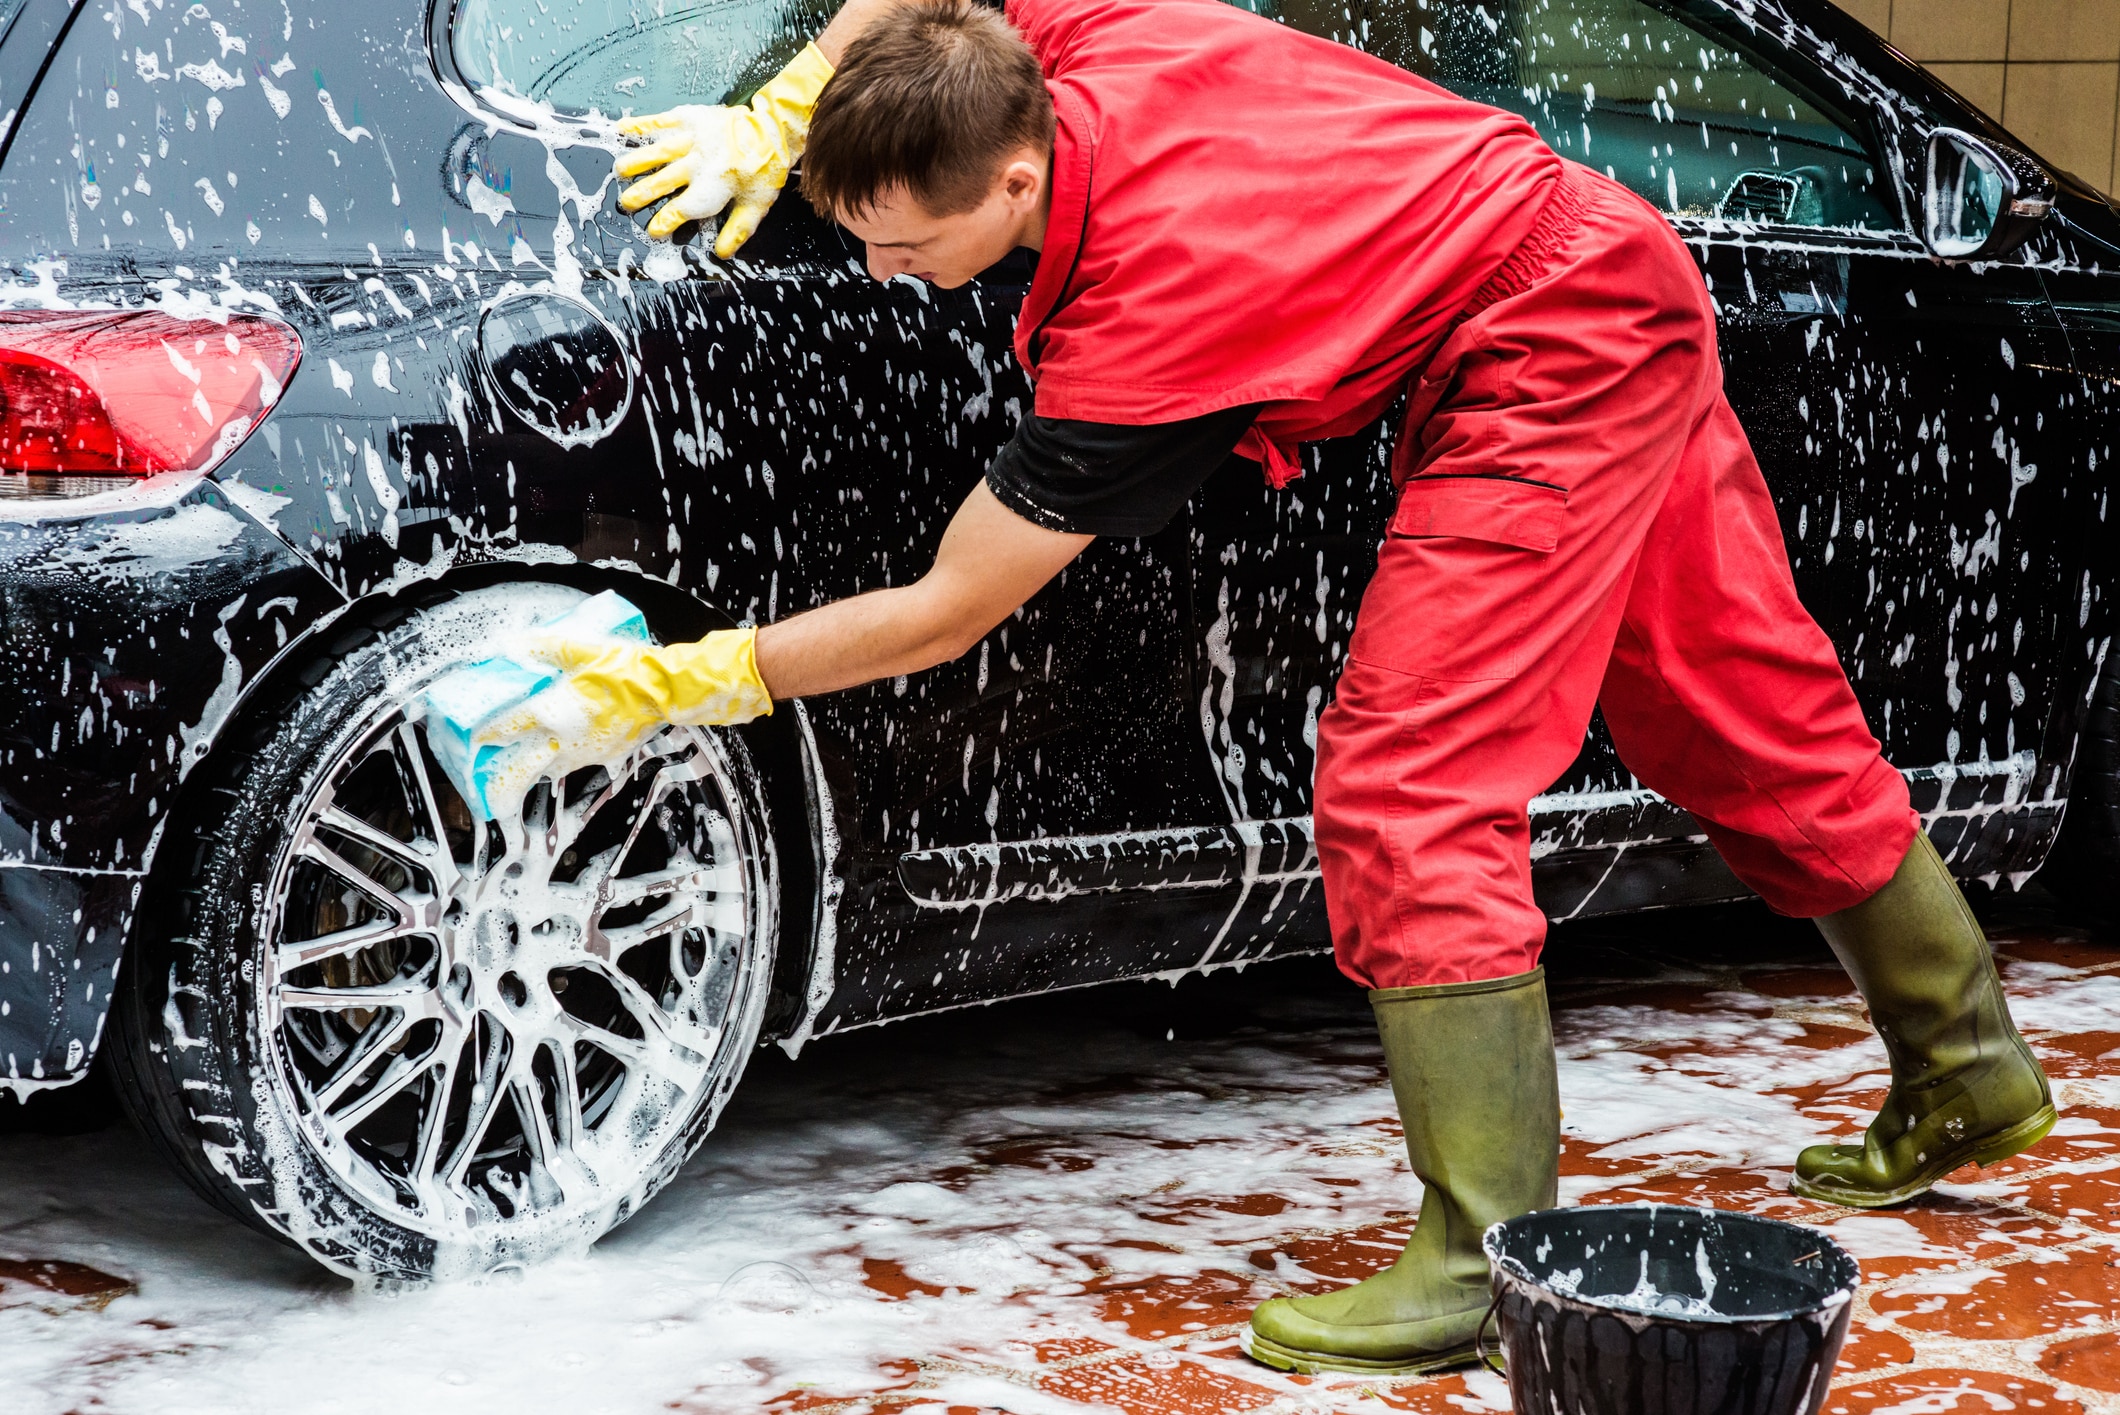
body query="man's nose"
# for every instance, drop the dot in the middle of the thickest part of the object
(886, 264)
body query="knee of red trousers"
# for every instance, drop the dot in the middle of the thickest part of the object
(1377, 949)
(1421, 887)
(1848, 851)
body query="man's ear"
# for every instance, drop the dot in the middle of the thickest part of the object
(1023, 180)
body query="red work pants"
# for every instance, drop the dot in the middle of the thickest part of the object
(1582, 522)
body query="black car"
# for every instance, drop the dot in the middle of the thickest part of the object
(326, 362)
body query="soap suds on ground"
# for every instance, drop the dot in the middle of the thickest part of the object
(1070, 1204)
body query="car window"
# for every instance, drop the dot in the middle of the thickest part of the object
(628, 56)
(1650, 94)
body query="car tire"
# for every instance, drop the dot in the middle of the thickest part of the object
(418, 1046)
(2084, 870)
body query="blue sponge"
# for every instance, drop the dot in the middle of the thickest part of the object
(464, 700)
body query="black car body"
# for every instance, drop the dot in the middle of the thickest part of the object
(1117, 782)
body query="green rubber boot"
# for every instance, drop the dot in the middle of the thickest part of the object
(1964, 1085)
(1472, 1070)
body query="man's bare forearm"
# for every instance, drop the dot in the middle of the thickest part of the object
(881, 634)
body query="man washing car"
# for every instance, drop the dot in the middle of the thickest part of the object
(1250, 238)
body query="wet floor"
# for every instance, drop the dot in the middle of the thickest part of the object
(1071, 1204)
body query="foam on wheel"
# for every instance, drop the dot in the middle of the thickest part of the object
(419, 1045)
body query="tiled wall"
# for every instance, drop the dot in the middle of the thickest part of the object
(2049, 69)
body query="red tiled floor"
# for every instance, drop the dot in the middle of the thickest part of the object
(1843, 1108)
(1661, 996)
(1070, 1348)
(2067, 950)
(2031, 1298)
(1966, 1292)
(1824, 1036)
(1800, 982)
(711, 1400)
(1941, 1392)
(1872, 1346)
(1756, 1191)
(1183, 1211)
(1340, 1258)
(1580, 1157)
(2092, 1361)
(2078, 1054)
(2090, 1196)
(1074, 1248)
(1439, 1395)
(1157, 1384)
(1153, 1308)
(1941, 1232)
(49, 1283)
(888, 1277)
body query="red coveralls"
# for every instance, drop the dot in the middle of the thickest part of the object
(1246, 214)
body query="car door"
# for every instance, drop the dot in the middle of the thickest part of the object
(1898, 405)
(1889, 399)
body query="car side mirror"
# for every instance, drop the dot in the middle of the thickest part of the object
(1982, 199)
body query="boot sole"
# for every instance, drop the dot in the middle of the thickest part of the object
(1287, 1358)
(1990, 1149)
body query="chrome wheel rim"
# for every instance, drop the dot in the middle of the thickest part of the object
(486, 1030)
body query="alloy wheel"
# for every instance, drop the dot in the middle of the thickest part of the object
(485, 1027)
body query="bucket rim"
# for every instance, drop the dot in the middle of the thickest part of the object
(1503, 1269)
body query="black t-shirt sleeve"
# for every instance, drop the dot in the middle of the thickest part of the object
(1109, 479)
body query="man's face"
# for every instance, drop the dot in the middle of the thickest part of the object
(905, 238)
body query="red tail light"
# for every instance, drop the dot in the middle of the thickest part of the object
(91, 401)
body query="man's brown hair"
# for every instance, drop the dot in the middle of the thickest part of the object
(932, 97)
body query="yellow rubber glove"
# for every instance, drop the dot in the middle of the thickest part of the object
(611, 696)
(713, 156)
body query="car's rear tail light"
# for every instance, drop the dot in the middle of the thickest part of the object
(98, 400)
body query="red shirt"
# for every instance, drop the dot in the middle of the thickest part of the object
(1242, 213)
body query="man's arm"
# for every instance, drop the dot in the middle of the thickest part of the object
(991, 561)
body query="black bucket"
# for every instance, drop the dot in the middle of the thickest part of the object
(1660, 1309)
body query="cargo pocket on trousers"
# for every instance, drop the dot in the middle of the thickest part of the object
(1461, 577)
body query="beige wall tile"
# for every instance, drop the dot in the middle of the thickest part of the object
(1877, 14)
(1951, 29)
(1982, 83)
(2064, 112)
(2057, 89)
(2064, 29)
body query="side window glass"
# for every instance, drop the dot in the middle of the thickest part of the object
(628, 56)
(1648, 93)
